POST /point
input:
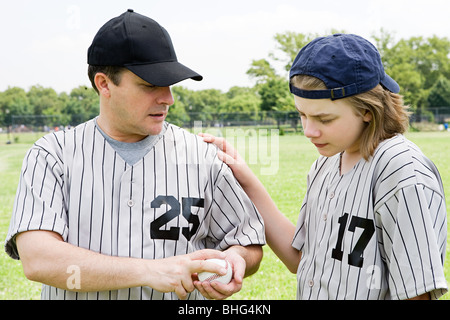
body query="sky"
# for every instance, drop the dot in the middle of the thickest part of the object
(45, 42)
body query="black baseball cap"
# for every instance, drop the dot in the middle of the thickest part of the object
(141, 45)
(348, 64)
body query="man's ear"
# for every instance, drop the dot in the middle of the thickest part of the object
(102, 82)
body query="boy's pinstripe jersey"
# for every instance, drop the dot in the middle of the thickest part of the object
(376, 232)
(179, 198)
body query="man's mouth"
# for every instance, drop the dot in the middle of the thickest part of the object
(158, 115)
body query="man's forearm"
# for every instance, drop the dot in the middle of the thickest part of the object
(252, 255)
(46, 258)
(52, 261)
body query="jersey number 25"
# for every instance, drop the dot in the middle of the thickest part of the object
(174, 232)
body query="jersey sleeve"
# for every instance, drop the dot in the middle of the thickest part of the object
(233, 218)
(412, 229)
(39, 198)
(299, 239)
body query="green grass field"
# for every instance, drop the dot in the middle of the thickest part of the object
(287, 187)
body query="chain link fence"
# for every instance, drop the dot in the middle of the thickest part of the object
(430, 119)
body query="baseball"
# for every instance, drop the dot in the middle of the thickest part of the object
(209, 276)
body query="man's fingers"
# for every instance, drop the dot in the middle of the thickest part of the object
(207, 254)
(181, 292)
(215, 290)
(198, 266)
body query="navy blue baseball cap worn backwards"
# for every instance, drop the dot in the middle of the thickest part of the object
(141, 45)
(348, 65)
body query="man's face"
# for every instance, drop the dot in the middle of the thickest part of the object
(135, 108)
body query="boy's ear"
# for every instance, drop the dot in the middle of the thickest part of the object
(102, 83)
(367, 117)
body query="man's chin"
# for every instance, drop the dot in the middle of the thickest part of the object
(156, 129)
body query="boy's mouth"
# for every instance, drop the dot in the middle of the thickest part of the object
(320, 145)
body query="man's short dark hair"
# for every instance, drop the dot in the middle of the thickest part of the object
(114, 73)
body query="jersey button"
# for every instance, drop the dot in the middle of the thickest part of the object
(130, 203)
(331, 195)
(311, 283)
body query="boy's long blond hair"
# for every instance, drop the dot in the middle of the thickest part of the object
(389, 114)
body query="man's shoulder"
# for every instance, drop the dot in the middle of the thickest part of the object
(56, 142)
(184, 137)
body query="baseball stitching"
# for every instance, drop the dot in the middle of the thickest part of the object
(215, 276)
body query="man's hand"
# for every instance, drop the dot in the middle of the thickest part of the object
(244, 262)
(177, 274)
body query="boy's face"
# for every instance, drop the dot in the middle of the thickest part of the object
(332, 126)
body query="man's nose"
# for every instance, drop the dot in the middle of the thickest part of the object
(165, 96)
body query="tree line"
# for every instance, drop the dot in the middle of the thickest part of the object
(420, 65)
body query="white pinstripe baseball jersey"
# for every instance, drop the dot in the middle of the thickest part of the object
(376, 232)
(179, 198)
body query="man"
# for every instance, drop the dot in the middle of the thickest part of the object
(128, 206)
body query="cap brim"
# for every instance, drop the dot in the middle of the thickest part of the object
(390, 84)
(164, 74)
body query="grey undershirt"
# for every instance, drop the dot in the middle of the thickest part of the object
(131, 152)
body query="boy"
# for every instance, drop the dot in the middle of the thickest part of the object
(373, 222)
